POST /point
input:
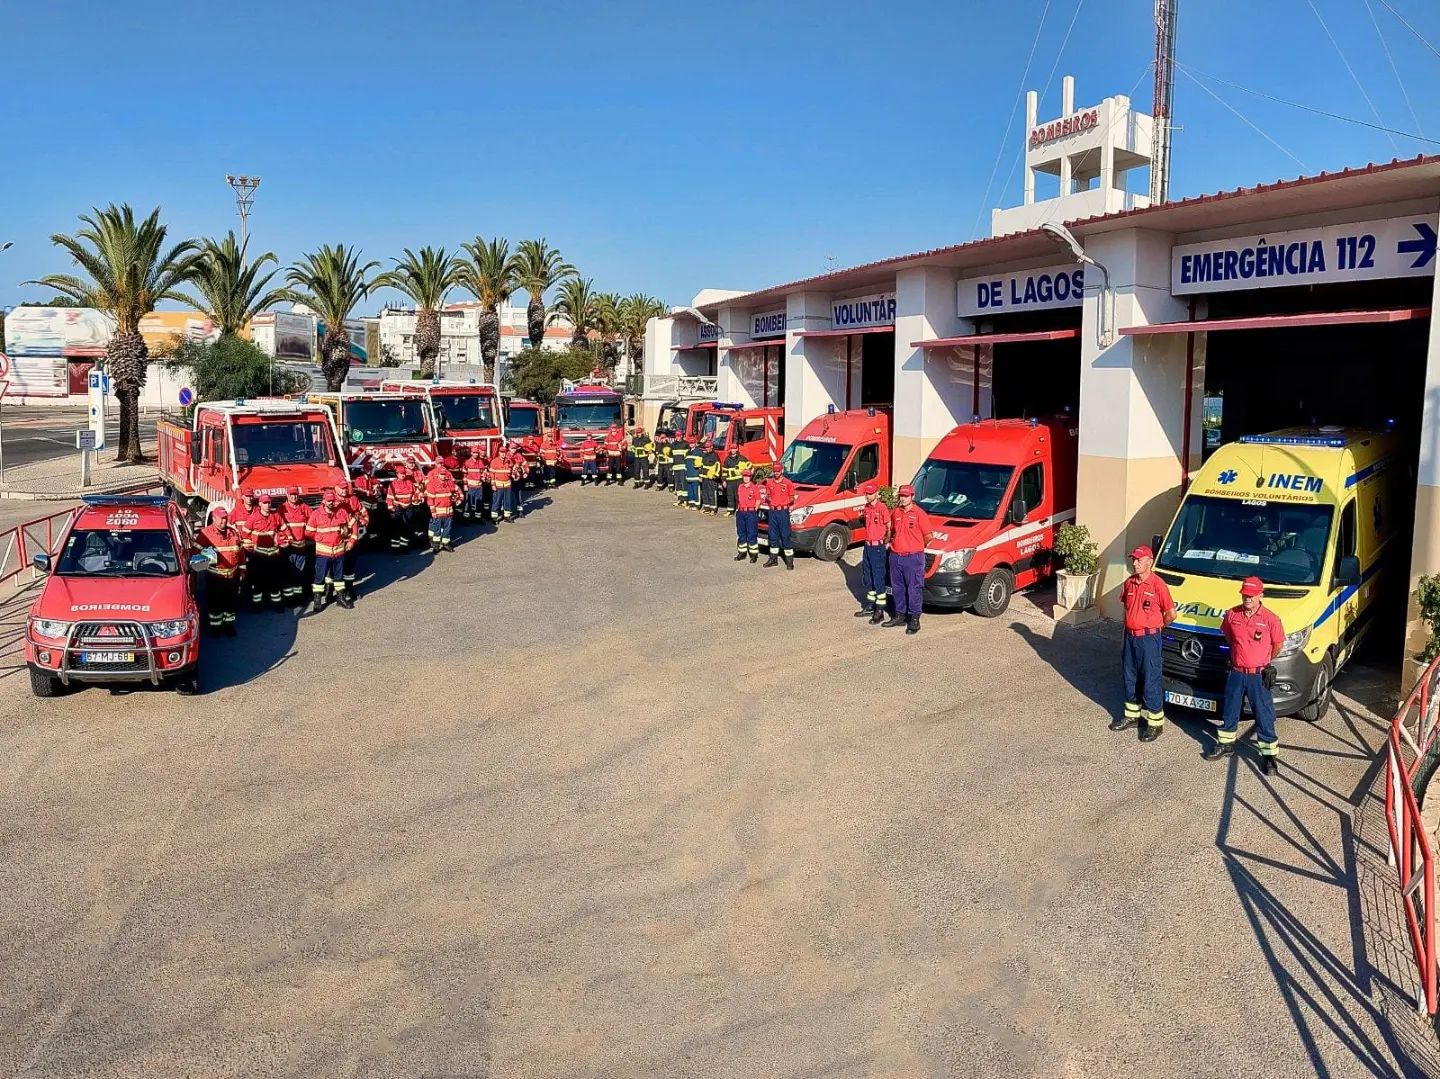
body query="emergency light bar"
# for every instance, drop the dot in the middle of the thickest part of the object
(1292, 440)
(124, 500)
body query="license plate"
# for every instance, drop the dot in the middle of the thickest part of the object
(107, 657)
(1184, 700)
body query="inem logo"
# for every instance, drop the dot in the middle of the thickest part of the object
(1294, 481)
(1229, 476)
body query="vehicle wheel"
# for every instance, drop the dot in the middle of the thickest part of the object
(832, 542)
(44, 685)
(995, 592)
(187, 685)
(1319, 704)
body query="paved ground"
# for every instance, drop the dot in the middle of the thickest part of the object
(587, 799)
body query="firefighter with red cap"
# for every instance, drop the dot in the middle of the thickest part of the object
(265, 539)
(329, 528)
(359, 525)
(367, 493)
(910, 531)
(589, 468)
(501, 476)
(874, 555)
(441, 494)
(1255, 635)
(400, 501)
(747, 518)
(296, 514)
(615, 455)
(1148, 610)
(779, 498)
(549, 457)
(519, 475)
(473, 476)
(240, 515)
(222, 591)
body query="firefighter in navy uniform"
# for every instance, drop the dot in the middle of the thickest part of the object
(1255, 635)
(732, 467)
(1148, 610)
(642, 452)
(779, 498)
(694, 466)
(662, 460)
(875, 555)
(680, 467)
(710, 470)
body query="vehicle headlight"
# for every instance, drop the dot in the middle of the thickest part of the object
(800, 516)
(45, 627)
(170, 629)
(1294, 642)
(956, 561)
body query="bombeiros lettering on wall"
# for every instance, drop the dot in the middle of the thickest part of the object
(1075, 124)
(1359, 251)
(1041, 289)
(768, 324)
(863, 311)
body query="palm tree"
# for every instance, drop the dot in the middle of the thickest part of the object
(575, 301)
(425, 279)
(538, 268)
(490, 275)
(331, 282)
(635, 311)
(231, 290)
(607, 322)
(127, 271)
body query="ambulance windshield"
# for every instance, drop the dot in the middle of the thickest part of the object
(963, 489)
(815, 464)
(1279, 542)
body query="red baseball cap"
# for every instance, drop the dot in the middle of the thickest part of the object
(907, 489)
(869, 489)
(1142, 552)
(1252, 586)
(219, 514)
(295, 491)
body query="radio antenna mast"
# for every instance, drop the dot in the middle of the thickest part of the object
(1166, 13)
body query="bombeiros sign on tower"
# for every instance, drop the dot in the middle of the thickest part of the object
(1082, 121)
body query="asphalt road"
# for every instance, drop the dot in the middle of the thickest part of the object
(586, 798)
(37, 433)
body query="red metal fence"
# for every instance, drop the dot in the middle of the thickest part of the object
(1408, 762)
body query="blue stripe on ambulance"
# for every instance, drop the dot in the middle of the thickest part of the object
(1366, 472)
(1345, 594)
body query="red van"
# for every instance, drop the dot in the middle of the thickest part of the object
(996, 490)
(118, 602)
(828, 461)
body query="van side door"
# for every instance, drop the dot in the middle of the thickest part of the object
(1031, 493)
(1346, 545)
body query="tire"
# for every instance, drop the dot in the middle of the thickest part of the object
(833, 541)
(187, 685)
(1319, 704)
(44, 685)
(995, 592)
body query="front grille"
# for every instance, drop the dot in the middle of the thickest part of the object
(1214, 659)
(109, 636)
(103, 668)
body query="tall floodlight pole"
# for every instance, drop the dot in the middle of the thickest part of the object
(1166, 12)
(244, 188)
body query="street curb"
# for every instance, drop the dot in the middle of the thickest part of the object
(120, 487)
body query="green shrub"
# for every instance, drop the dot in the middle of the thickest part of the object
(1429, 597)
(1078, 553)
(232, 368)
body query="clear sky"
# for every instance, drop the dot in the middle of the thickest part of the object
(661, 146)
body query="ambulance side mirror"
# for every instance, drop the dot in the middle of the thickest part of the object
(1347, 572)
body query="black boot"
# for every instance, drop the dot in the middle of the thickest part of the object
(317, 602)
(1151, 732)
(740, 557)
(773, 560)
(754, 558)
(1124, 723)
(895, 621)
(1219, 751)
(878, 617)
(865, 612)
(913, 625)
(1269, 765)
(344, 600)
(789, 561)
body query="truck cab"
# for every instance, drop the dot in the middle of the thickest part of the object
(996, 491)
(525, 427)
(466, 413)
(828, 461)
(755, 432)
(380, 430)
(265, 446)
(581, 412)
(118, 601)
(1311, 512)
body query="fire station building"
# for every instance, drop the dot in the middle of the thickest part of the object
(1166, 330)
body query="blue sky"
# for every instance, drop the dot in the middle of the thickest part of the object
(662, 147)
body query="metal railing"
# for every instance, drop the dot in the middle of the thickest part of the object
(682, 386)
(1412, 754)
(20, 544)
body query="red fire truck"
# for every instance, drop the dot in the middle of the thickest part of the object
(118, 602)
(581, 412)
(755, 432)
(828, 461)
(996, 491)
(378, 430)
(525, 427)
(265, 446)
(466, 413)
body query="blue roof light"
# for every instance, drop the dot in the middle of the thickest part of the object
(1327, 441)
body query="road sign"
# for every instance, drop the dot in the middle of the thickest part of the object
(4, 365)
(85, 439)
(187, 396)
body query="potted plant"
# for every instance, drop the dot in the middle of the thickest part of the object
(1079, 557)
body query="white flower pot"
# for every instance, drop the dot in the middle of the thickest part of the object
(1074, 592)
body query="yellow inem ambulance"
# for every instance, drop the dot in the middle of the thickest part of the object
(1312, 512)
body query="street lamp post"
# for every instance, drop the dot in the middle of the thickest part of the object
(1065, 238)
(244, 188)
